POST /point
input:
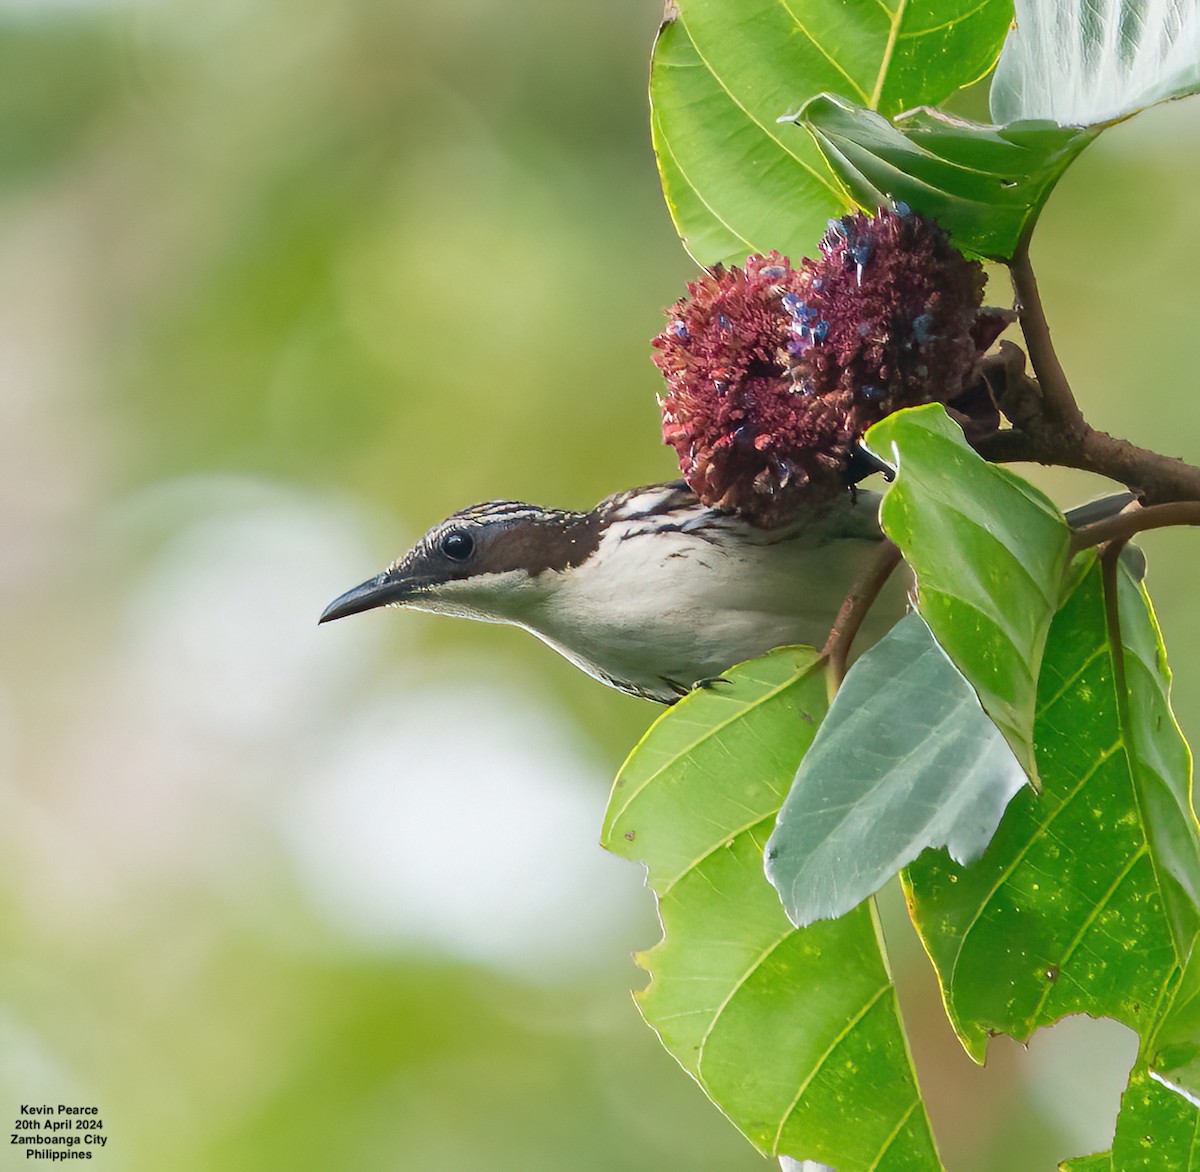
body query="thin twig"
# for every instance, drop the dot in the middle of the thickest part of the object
(1058, 400)
(858, 602)
(1048, 426)
(1124, 525)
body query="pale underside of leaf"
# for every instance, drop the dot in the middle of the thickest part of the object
(906, 759)
(1087, 62)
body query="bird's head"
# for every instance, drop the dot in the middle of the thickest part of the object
(494, 561)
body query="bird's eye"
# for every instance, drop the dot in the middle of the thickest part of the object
(458, 545)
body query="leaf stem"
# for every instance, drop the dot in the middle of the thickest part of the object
(1048, 426)
(1135, 520)
(1058, 400)
(854, 609)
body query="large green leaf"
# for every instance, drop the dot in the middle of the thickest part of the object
(1175, 1048)
(1086, 900)
(985, 185)
(1069, 69)
(905, 759)
(988, 551)
(782, 1027)
(1157, 1129)
(724, 72)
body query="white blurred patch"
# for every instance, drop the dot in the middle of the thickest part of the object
(174, 740)
(217, 732)
(464, 819)
(30, 1072)
(221, 632)
(1077, 1071)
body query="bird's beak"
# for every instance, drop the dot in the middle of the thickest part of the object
(378, 591)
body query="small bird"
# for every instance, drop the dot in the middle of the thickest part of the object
(650, 592)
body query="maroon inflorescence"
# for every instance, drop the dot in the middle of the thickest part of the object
(773, 372)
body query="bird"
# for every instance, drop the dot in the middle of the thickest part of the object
(651, 591)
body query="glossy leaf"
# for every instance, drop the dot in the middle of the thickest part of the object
(1069, 69)
(988, 551)
(986, 185)
(1072, 908)
(1175, 1052)
(724, 74)
(780, 1026)
(1083, 62)
(905, 759)
(1157, 1128)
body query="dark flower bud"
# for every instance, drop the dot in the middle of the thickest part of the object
(774, 372)
(902, 308)
(749, 436)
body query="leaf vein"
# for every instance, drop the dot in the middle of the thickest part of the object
(767, 132)
(710, 731)
(1089, 920)
(664, 144)
(889, 49)
(1025, 849)
(720, 1010)
(891, 1139)
(824, 1058)
(858, 89)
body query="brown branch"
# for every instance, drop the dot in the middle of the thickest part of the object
(1156, 478)
(1058, 400)
(858, 602)
(1135, 520)
(1048, 426)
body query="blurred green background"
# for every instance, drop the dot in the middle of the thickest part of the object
(281, 284)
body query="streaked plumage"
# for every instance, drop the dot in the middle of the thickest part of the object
(650, 592)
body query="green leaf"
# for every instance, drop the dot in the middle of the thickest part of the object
(724, 73)
(988, 551)
(1101, 1162)
(905, 759)
(1157, 1128)
(782, 1027)
(1072, 908)
(1175, 1052)
(1069, 69)
(1079, 63)
(985, 185)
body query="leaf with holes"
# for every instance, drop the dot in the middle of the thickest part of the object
(1175, 1050)
(1086, 901)
(780, 1026)
(988, 551)
(737, 181)
(1157, 1129)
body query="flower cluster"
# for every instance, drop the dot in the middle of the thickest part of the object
(746, 439)
(773, 372)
